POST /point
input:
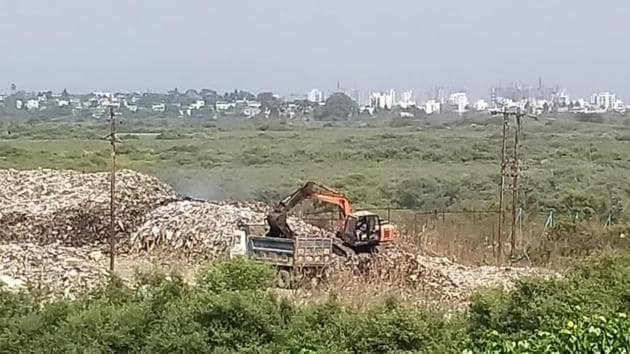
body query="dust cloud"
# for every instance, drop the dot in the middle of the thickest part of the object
(197, 187)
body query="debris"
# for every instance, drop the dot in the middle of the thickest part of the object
(52, 224)
(434, 278)
(63, 271)
(196, 229)
(48, 206)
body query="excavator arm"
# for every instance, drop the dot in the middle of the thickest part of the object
(277, 218)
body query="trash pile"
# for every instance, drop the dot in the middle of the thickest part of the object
(196, 229)
(436, 278)
(52, 223)
(64, 271)
(47, 206)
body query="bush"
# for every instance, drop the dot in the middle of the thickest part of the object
(230, 310)
(590, 117)
(597, 286)
(594, 334)
(400, 122)
(234, 275)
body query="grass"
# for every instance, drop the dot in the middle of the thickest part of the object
(569, 164)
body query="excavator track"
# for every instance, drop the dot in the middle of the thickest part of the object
(342, 250)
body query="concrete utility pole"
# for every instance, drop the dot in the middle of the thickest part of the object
(111, 137)
(515, 171)
(499, 254)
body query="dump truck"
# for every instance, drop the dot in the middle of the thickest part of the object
(296, 260)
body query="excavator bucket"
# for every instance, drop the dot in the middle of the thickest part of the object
(278, 226)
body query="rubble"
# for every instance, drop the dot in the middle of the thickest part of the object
(434, 278)
(48, 206)
(52, 222)
(196, 229)
(64, 271)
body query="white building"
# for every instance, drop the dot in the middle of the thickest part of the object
(316, 95)
(254, 104)
(224, 106)
(481, 105)
(392, 98)
(432, 106)
(103, 94)
(619, 106)
(251, 111)
(383, 100)
(19, 104)
(407, 99)
(32, 104)
(160, 107)
(186, 111)
(460, 100)
(604, 100)
(198, 105)
(76, 103)
(63, 103)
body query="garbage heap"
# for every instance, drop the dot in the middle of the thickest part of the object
(201, 230)
(58, 270)
(72, 208)
(407, 272)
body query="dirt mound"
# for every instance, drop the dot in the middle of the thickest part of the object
(48, 206)
(64, 271)
(44, 211)
(195, 229)
(399, 271)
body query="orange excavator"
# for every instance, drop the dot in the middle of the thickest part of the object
(358, 232)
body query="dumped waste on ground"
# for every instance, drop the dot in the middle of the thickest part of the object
(53, 225)
(64, 271)
(435, 278)
(196, 229)
(48, 206)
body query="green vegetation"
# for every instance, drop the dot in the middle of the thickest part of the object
(338, 107)
(231, 310)
(571, 165)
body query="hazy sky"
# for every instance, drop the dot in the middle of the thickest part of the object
(294, 45)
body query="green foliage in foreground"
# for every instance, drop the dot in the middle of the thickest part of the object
(595, 334)
(230, 310)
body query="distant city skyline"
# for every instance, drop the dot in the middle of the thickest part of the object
(290, 47)
(364, 96)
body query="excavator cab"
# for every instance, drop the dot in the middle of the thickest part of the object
(362, 229)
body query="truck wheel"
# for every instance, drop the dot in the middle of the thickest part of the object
(283, 279)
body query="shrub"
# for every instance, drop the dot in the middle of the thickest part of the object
(590, 117)
(597, 286)
(234, 275)
(593, 334)
(230, 311)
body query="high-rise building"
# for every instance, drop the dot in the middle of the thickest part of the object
(460, 100)
(407, 99)
(432, 106)
(604, 100)
(316, 95)
(440, 95)
(383, 100)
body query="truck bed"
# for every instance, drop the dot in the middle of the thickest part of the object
(299, 252)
